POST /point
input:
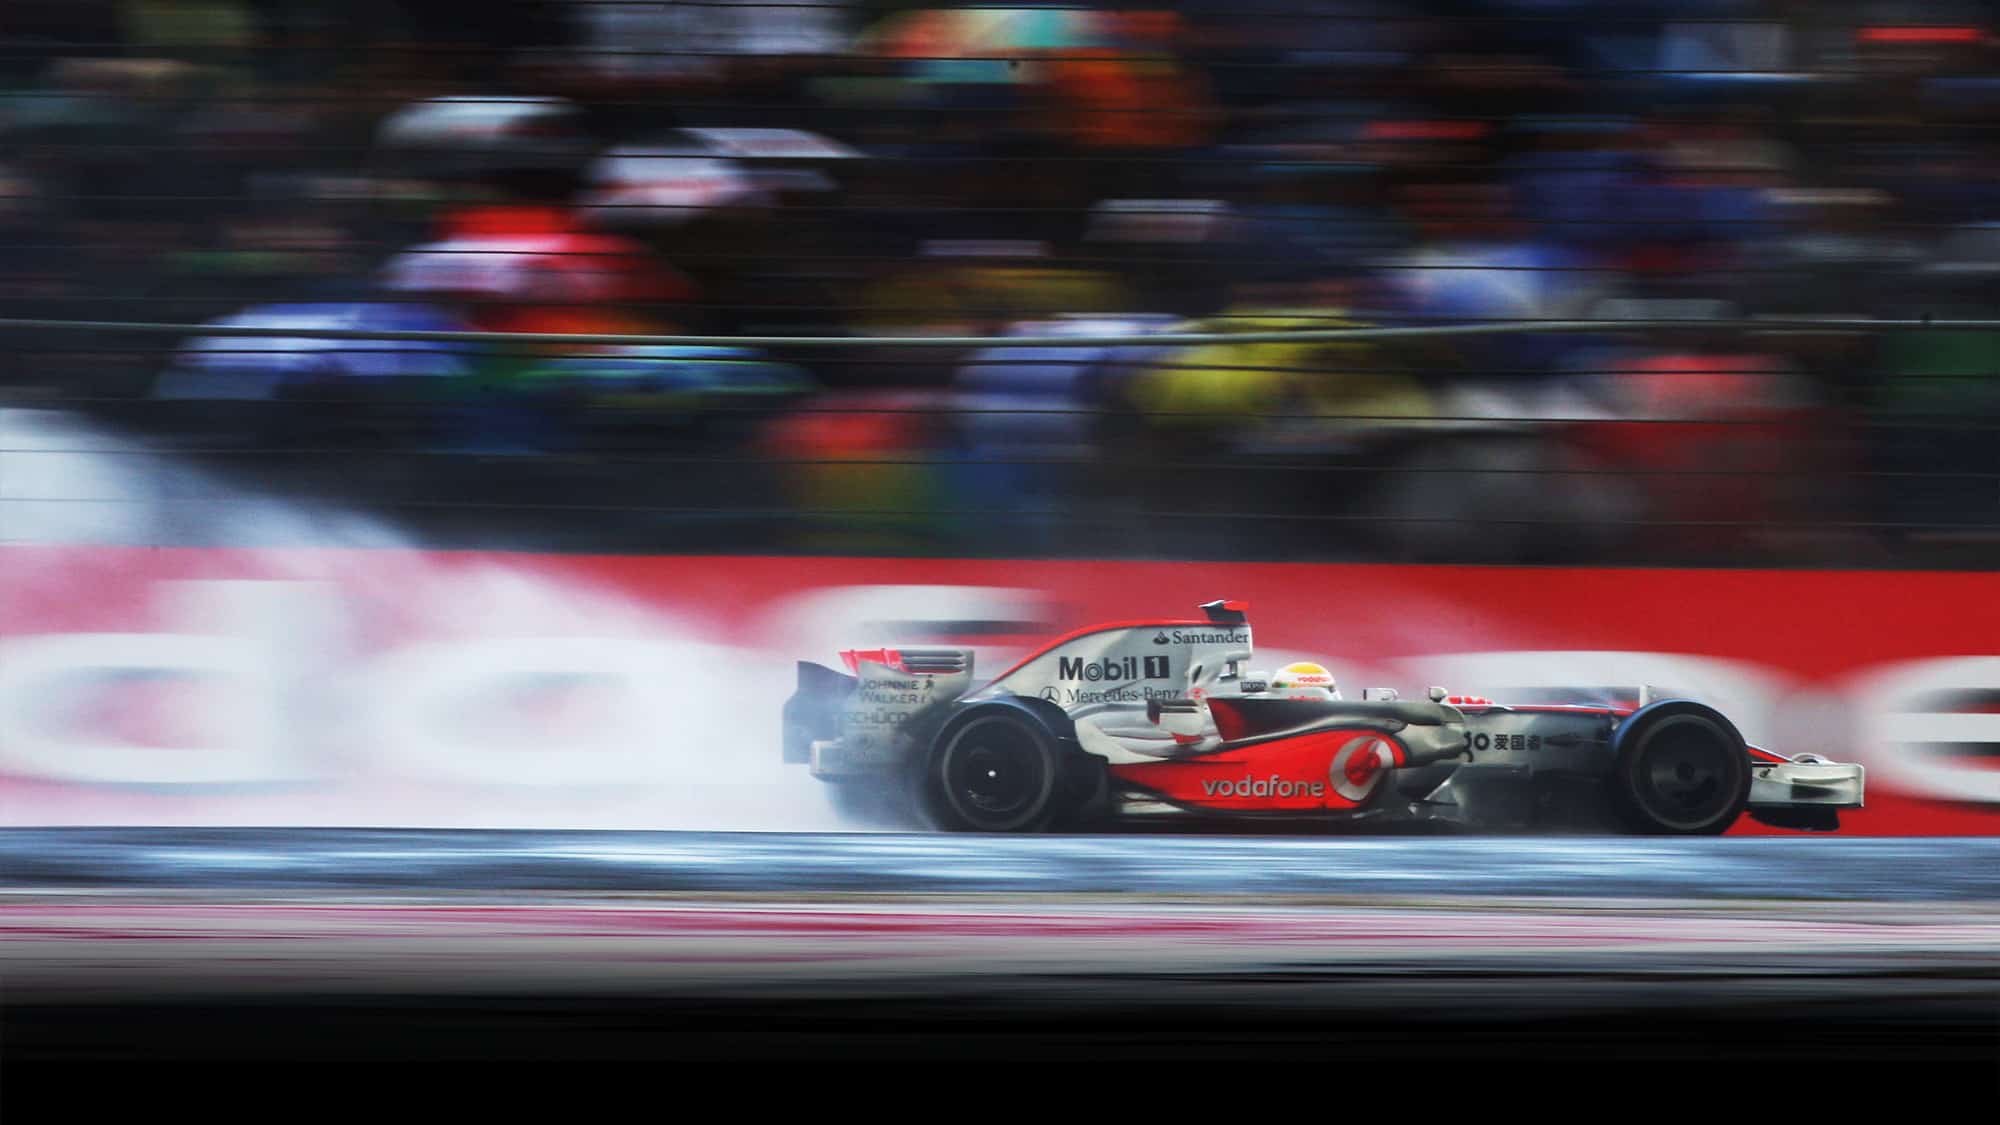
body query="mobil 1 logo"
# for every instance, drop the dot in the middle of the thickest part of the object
(1112, 669)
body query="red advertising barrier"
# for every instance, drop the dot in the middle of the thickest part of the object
(423, 688)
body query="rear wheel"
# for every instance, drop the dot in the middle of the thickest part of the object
(1682, 773)
(995, 771)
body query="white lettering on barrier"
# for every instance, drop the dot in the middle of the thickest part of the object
(295, 705)
(432, 710)
(258, 642)
(646, 712)
(1909, 743)
(43, 682)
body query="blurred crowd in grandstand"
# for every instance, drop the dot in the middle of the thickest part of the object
(864, 169)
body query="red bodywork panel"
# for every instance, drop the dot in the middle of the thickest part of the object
(1265, 772)
(1288, 774)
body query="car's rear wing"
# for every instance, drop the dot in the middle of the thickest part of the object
(888, 686)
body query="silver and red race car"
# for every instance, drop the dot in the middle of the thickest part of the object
(1165, 717)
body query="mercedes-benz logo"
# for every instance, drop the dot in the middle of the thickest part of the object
(1052, 694)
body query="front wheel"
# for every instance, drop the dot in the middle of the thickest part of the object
(995, 771)
(1682, 772)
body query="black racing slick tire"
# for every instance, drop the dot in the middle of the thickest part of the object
(1681, 771)
(993, 770)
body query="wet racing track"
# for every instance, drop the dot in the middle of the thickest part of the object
(177, 947)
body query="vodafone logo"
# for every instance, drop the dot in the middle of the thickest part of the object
(1272, 786)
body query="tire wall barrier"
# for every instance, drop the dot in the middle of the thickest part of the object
(437, 689)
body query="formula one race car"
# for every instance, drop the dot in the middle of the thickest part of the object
(1161, 717)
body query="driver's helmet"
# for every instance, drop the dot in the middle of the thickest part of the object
(1304, 680)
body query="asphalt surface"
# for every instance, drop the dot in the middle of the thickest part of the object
(338, 861)
(512, 955)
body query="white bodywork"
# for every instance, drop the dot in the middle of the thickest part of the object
(1807, 780)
